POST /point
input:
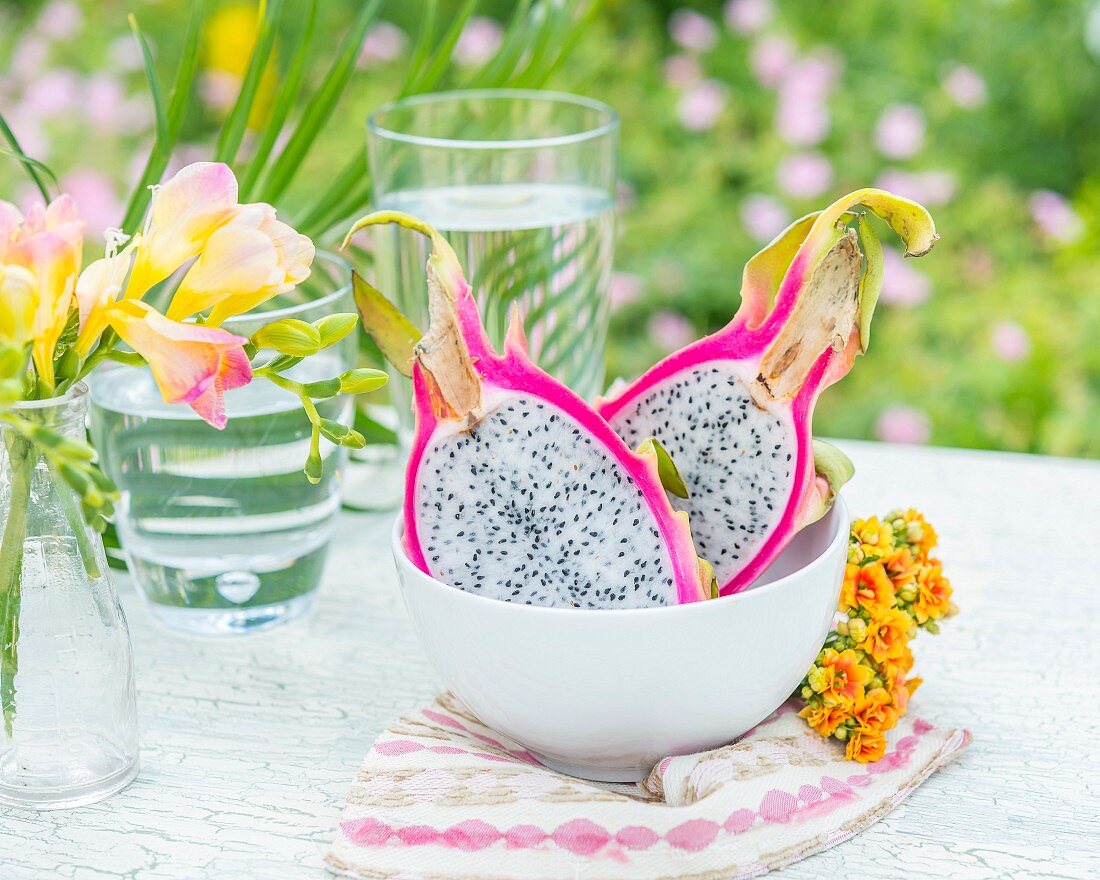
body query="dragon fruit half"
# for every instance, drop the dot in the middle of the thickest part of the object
(516, 489)
(734, 409)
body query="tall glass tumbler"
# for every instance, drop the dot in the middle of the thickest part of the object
(223, 533)
(522, 184)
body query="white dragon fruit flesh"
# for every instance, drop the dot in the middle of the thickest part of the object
(734, 409)
(516, 489)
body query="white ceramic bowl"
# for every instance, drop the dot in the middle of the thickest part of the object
(606, 694)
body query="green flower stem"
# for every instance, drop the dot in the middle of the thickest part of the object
(21, 462)
(76, 522)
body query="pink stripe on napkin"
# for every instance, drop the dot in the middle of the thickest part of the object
(440, 796)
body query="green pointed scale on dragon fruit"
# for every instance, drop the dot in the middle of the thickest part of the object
(516, 489)
(734, 409)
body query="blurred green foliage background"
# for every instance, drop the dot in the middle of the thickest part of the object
(736, 118)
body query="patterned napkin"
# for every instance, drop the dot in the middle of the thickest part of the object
(441, 797)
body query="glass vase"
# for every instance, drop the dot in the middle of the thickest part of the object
(69, 730)
(223, 533)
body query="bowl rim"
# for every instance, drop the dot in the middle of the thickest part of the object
(839, 510)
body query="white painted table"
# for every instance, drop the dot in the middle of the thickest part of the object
(249, 745)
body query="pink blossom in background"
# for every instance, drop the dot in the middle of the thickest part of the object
(771, 58)
(815, 74)
(668, 277)
(899, 132)
(748, 16)
(802, 123)
(670, 330)
(701, 105)
(59, 20)
(692, 31)
(479, 40)
(219, 89)
(979, 264)
(903, 424)
(28, 129)
(1055, 217)
(682, 71)
(927, 187)
(125, 53)
(384, 42)
(802, 117)
(804, 175)
(625, 289)
(109, 111)
(965, 86)
(903, 285)
(1010, 341)
(764, 217)
(99, 203)
(626, 197)
(28, 57)
(52, 94)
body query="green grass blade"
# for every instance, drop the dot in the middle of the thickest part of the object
(34, 168)
(549, 27)
(284, 102)
(495, 71)
(236, 123)
(429, 76)
(420, 51)
(352, 173)
(319, 108)
(168, 123)
(575, 27)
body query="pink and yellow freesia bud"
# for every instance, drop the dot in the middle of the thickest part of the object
(47, 242)
(18, 305)
(243, 263)
(99, 285)
(185, 212)
(191, 363)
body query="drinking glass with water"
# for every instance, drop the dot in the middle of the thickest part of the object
(522, 185)
(223, 533)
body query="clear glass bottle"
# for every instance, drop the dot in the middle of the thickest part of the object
(68, 734)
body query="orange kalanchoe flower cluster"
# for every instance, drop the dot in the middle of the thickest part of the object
(859, 685)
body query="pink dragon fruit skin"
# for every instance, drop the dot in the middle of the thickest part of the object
(734, 409)
(516, 489)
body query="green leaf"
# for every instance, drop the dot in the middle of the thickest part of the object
(333, 328)
(666, 467)
(870, 284)
(129, 358)
(395, 335)
(280, 110)
(33, 167)
(496, 70)
(168, 125)
(289, 336)
(323, 388)
(422, 48)
(319, 108)
(428, 77)
(236, 123)
(836, 468)
(362, 380)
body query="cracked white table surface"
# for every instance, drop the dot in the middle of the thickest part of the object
(249, 745)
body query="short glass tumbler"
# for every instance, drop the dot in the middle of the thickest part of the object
(222, 531)
(522, 184)
(68, 734)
